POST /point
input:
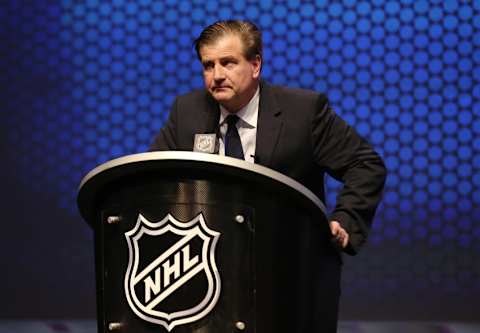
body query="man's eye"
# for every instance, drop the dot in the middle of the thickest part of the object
(229, 63)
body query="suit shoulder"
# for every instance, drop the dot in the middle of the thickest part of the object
(298, 96)
(194, 100)
(198, 94)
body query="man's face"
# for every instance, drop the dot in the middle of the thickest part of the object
(229, 76)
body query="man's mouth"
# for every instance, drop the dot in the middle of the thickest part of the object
(220, 88)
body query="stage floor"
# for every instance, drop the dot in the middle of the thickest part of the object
(89, 326)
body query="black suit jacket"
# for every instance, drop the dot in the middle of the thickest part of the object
(300, 136)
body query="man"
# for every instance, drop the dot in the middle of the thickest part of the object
(290, 130)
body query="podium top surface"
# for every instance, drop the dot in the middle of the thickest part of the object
(198, 160)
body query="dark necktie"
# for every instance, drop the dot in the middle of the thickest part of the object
(233, 144)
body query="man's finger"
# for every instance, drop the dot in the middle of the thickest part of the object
(335, 230)
(339, 234)
(335, 227)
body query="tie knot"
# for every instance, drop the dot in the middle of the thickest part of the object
(232, 120)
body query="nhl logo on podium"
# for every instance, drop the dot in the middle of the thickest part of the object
(171, 277)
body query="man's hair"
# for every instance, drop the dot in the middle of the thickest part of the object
(248, 32)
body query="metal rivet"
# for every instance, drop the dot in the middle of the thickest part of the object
(114, 326)
(113, 219)
(239, 218)
(240, 325)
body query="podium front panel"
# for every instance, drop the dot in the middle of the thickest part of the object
(233, 258)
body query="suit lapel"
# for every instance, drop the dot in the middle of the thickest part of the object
(212, 115)
(269, 125)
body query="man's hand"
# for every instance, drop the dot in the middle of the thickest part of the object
(340, 235)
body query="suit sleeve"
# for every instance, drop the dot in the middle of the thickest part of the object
(166, 139)
(347, 157)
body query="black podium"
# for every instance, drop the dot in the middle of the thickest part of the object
(192, 242)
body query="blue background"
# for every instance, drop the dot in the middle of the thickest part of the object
(83, 82)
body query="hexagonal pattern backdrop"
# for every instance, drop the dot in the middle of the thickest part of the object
(86, 81)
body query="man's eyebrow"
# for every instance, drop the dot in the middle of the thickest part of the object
(225, 58)
(232, 58)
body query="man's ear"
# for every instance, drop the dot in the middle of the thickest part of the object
(257, 66)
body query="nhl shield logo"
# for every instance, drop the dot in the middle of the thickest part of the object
(171, 277)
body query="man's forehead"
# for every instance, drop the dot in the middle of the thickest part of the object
(225, 46)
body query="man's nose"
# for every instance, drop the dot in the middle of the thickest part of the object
(218, 73)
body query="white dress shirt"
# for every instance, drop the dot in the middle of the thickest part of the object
(246, 125)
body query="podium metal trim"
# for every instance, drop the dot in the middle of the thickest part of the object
(208, 158)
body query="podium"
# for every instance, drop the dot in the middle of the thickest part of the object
(193, 242)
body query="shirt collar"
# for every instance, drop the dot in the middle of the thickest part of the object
(248, 114)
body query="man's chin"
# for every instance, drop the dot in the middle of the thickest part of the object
(222, 96)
